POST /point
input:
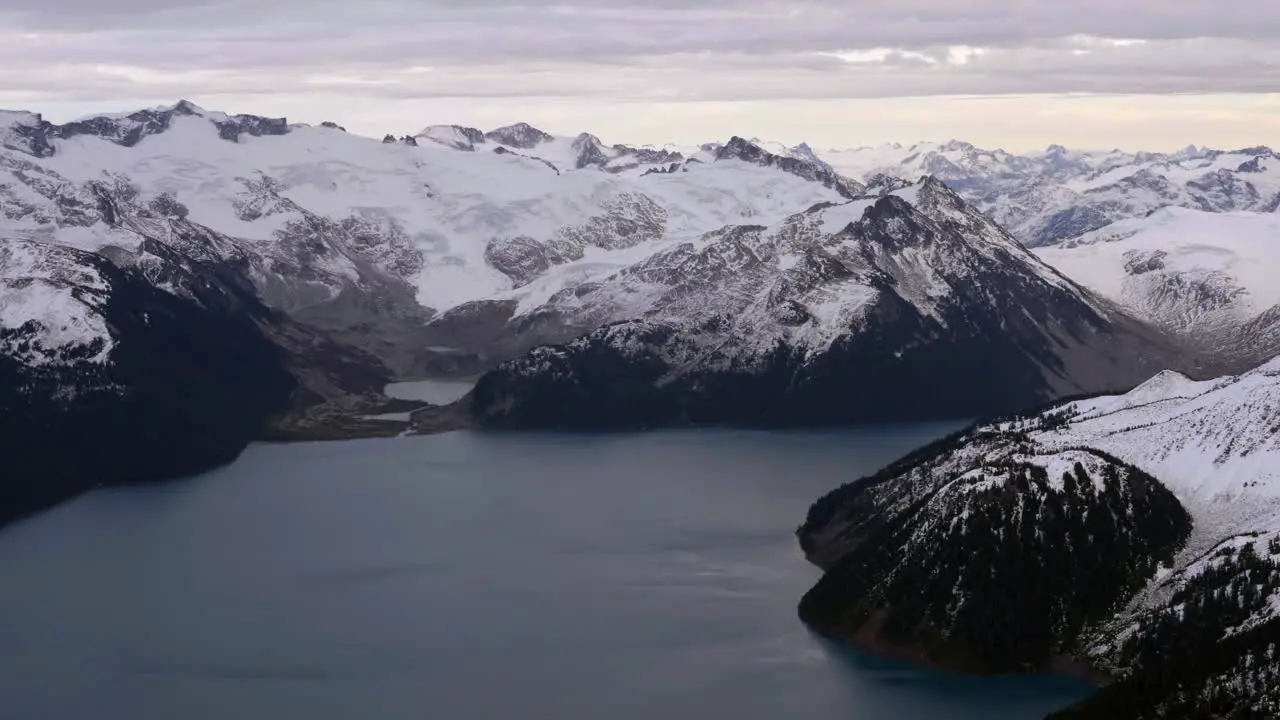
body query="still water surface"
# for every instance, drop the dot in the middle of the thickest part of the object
(463, 576)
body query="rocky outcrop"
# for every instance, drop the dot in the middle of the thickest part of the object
(740, 149)
(456, 137)
(590, 151)
(522, 136)
(523, 259)
(628, 219)
(36, 135)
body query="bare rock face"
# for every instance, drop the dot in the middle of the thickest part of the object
(456, 137)
(746, 151)
(590, 151)
(523, 259)
(648, 156)
(521, 135)
(629, 219)
(36, 136)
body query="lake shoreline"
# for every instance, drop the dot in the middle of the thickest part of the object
(866, 639)
(427, 407)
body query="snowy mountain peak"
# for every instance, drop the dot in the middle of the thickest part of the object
(1256, 151)
(457, 137)
(590, 151)
(186, 107)
(520, 135)
(882, 184)
(806, 153)
(741, 149)
(744, 150)
(765, 320)
(30, 134)
(1189, 152)
(24, 132)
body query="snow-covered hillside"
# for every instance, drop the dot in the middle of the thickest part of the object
(1099, 492)
(334, 226)
(1214, 441)
(51, 305)
(1060, 193)
(1215, 444)
(450, 206)
(1209, 276)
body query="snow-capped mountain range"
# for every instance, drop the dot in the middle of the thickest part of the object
(487, 229)
(734, 280)
(1186, 240)
(326, 219)
(1060, 194)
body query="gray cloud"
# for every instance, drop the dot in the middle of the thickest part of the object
(630, 26)
(631, 50)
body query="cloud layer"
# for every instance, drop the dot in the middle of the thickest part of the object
(83, 52)
(639, 49)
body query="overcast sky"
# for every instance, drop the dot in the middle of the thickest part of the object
(1018, 74)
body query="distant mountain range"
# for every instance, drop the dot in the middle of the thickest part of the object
(451, 250)
(1043, 198)
(1185, 240)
